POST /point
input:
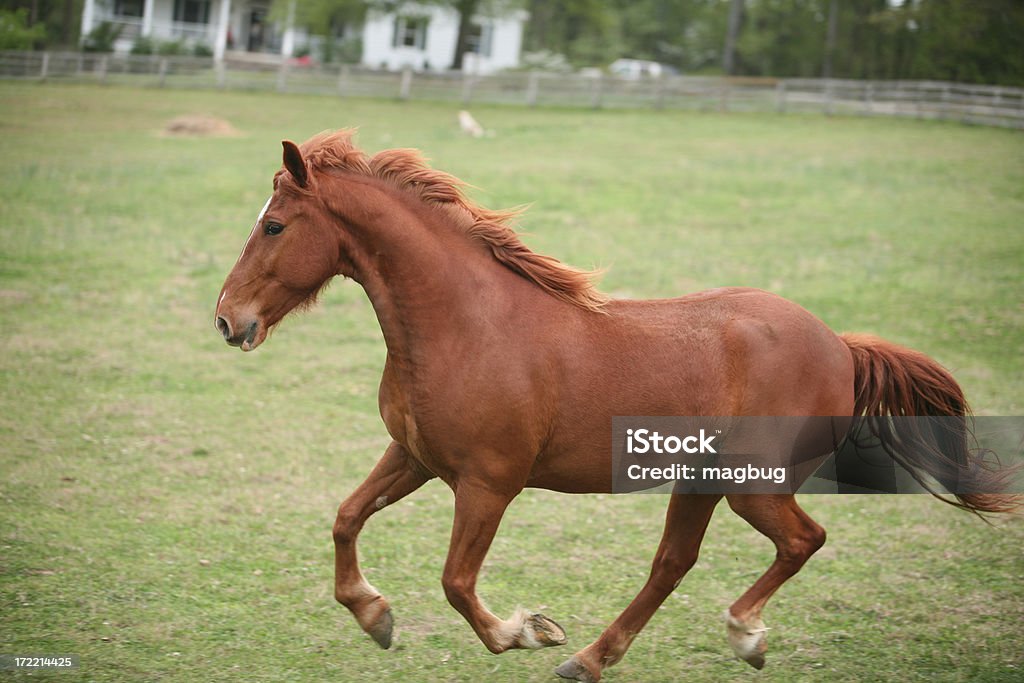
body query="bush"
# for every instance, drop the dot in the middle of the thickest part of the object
(102, 38)
(202, 50)
(544, 60)
(344, 50)
(170, 48)
(16, 34)
(143, 46)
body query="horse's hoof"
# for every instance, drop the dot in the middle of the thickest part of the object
(747, 640)
(380, 631)
(539, 631)
(574, 670)
(756, 660)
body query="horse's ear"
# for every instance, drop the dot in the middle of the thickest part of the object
(294, 162)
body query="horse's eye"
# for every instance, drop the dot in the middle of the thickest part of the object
(273, 229)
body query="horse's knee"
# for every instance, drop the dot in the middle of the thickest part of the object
(346, 526)
(684, 562)
(669, 569)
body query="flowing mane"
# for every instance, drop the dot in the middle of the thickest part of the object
(409, 171)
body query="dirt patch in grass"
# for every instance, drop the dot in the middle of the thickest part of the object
(199, 125)
(13, 295)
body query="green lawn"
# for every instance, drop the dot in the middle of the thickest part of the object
(166, 502)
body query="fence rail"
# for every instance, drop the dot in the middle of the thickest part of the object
(980, 104)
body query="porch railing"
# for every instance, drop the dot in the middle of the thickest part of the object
(182, 31)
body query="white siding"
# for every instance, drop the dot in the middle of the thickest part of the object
(507, 43)
(379, 50)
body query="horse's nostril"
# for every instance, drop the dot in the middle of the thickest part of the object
(224, 328)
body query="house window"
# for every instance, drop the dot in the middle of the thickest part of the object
(410, 32)
(128, 8)
(478, 40)
(192, 11)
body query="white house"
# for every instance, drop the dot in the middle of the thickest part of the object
(418, 36)
(422, 37)
(220, 25)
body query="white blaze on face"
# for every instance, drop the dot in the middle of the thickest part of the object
(259, 219)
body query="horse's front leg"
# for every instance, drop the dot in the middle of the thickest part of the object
(478, 511)
(395, 476)
(685, 524)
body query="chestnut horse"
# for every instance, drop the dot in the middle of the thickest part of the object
(504, 368)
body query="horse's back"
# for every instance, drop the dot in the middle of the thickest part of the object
(728, 351)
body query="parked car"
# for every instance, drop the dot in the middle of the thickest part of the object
(636, 69)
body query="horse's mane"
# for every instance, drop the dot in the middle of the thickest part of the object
(409, 171)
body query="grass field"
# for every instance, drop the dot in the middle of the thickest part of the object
(166, 502)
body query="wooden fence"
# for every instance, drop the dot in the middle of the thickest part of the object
(980, 104)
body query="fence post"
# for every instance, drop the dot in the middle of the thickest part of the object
(44, 68)
(532, 86)
(163, 72)
(467, 88)
(343, 76)
(945, 108)
(596, 92)
(101, 69)
(723, 94)
(869, 98)
(828, 97)
(282, 76)
(780, 96)
(405, 86)
(659, 92)
(221, 71)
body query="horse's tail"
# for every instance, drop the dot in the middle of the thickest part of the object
(893, 381)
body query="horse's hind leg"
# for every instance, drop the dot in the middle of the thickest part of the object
(685, 522)
(391, 479)
(796, 537)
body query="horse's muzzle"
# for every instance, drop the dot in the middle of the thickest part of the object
(242, 338)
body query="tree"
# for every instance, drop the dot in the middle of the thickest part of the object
(732, 36)
(322, 17)
(58, 20)
(466, 10)
(661, 30)
(585, 31)
(830, 37)
(965, 40)
(16, 32)
(968, 40)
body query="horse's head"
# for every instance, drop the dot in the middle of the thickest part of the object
(289, 256)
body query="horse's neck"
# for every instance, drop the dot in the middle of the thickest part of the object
(427, 280)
